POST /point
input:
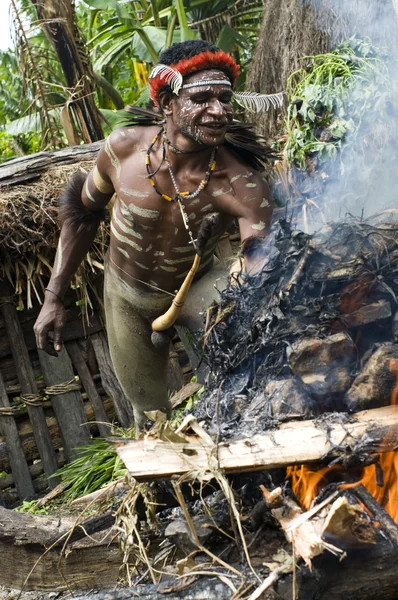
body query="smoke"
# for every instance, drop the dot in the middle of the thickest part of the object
(361, 181)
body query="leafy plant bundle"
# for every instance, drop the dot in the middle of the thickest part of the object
(95, 465)
(331, 98)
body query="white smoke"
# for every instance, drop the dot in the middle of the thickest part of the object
(362, 181)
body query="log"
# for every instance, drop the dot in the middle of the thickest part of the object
(68, 406)
(24, 540)
(28, 385)
(292, 443)
(29, 168)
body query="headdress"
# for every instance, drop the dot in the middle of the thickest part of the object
(172, 76)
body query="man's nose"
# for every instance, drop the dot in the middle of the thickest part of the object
(216, 108)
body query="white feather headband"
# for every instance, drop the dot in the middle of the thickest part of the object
(249, 100)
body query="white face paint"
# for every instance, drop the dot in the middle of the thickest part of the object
(248, 174)
(221, 191)
(251, 185)
(126, 228)
(58, 265)
(134, 193)
(115, 162)
(258, 226)
(235, 178)
(123, 251)
(124, 239)
(142, 266)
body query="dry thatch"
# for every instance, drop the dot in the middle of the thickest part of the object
(29, 233)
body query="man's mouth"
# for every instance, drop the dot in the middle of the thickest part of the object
(215, 126)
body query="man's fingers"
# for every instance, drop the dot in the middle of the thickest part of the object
(43, 341)
(57, 342)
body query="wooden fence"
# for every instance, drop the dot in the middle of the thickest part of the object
(50, 406)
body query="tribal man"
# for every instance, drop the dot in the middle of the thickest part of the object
(167, 174)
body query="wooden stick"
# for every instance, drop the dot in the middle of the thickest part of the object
(387, 523)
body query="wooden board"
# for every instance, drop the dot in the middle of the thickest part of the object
(292, 443)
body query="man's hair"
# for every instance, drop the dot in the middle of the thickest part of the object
(180, 50)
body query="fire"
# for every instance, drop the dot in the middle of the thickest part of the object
(306, 483)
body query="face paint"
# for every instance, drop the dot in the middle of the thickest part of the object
(125, 228)
(133, 193)
(102, 186)
(87, 191)
(123, 251)
(124, 239)
(220, 192)
(251, 185)
(170, 261)
(113, 158)
(248, 174)
(235, 178)
(206, 208)
(59, 259)
(259, 226)
(142, 266)
(183, 249)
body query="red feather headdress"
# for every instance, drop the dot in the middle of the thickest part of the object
(172, 75)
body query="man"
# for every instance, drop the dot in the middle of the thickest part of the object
(166, 178)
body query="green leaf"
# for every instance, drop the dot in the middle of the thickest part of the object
(100, 4)
(229, 38)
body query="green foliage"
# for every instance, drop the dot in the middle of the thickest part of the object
(95, 465)
(30, 507)
(330, 97)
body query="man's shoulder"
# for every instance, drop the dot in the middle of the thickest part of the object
(125, 140)
(236, 167)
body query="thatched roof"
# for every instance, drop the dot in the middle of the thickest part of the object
(29, 192)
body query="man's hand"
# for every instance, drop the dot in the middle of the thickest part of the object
(52, 318)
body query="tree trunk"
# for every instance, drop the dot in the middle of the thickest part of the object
(58, 23)
(292, 29)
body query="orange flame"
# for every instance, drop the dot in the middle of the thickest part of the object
(307, 483)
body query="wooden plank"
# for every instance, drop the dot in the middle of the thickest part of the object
(68, 407)
(109, 380)
(85, 377)
(292, 443)
(27, 381)
(19, 466)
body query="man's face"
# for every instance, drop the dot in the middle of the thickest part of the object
(203, 112)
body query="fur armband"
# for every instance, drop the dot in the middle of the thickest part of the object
(72, 209)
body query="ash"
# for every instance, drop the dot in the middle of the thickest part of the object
(313, 333)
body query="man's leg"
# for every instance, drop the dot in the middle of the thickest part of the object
(190, 323)
(140, 367)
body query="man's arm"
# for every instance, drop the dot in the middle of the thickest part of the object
(254, 218)
(81, 210)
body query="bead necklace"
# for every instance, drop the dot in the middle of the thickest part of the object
(180, 196)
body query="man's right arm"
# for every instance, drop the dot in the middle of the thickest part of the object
(81, 209)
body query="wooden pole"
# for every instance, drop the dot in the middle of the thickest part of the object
(68, 406)
(19, 466)
(89, 385)
(27, 381)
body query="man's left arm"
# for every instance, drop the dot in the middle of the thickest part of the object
(254, 219)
